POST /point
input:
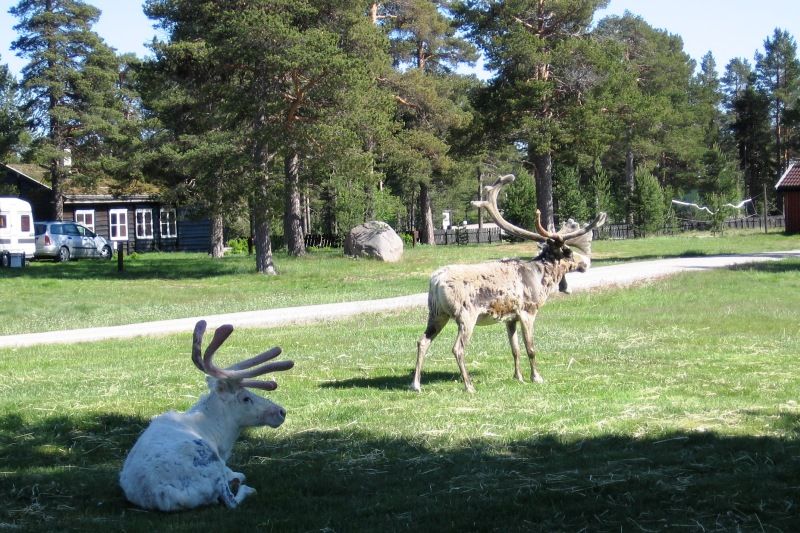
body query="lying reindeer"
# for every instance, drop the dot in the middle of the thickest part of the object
(179, 461)
(509, 290)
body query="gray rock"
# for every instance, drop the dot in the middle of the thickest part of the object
(374, 239)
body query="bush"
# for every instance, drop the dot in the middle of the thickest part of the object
(238, 245)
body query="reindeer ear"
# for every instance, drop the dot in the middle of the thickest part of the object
(220, 386)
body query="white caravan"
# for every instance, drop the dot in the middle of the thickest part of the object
(16, 230)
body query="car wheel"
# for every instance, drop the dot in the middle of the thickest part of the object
(5, 259)
(63, 255)
(106, 253)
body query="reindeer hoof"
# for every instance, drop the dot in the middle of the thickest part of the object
(537, 379)
(415, 387)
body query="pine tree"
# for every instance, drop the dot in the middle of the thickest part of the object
(778, 76)
(648, 203)
(748, 120)
(425, 50)
(571, 201)
(68, 85)
(707, 97)
(12, 123)
(602, 197)
(657, 124)
(541, 52)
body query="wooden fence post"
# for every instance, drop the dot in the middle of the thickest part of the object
(120, 260)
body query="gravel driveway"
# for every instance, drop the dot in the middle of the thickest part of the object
(605, 276)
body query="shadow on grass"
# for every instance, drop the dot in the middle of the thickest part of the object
(60, 474)
(156, 266)
(772, 267)
(394, 382)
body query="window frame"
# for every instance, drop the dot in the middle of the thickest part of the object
(83, 213)
(168, 219)
(113, 227)
(145, 225)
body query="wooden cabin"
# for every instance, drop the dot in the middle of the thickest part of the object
(140, 221)
(788, 188)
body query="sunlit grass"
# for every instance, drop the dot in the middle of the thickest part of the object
(673, 404)
(48, 296)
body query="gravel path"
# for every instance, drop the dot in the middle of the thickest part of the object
(605, 276)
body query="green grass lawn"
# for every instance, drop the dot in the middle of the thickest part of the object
(673, 404)
(47, 296)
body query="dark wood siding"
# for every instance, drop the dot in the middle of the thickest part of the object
(35, 194)
(193, 235)
(791, 210)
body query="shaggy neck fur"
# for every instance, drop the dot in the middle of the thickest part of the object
(209, 415)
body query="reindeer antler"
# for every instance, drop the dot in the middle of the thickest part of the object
(242, 371)
(492, 191)
(491, 207)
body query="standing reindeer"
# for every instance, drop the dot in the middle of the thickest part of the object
(509, 290)
(179, 461)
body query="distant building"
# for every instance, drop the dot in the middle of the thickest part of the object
(788, 187)
(140, 221)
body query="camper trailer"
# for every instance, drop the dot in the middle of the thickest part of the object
(17, 240)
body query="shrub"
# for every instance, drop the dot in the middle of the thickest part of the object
(238, 245)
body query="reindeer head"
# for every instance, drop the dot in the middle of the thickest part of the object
(571, 246)
(231, 384)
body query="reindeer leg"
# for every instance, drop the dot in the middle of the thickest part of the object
(513, 340)
(527, 334)
(460, 346)
(435, 326)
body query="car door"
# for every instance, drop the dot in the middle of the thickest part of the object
(88, 246)
(75, 240)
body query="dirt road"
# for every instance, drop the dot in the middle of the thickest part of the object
(605, 276)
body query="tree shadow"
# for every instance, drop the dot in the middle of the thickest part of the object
(394, 382)
(614, 260)
(771, 267)
(183, 266)
(60, 474)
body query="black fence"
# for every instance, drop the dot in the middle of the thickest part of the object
(456, 235)
(628, 231)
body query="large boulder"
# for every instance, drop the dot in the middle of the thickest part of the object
(374, 239)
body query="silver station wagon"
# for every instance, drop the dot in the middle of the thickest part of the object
(65, 240)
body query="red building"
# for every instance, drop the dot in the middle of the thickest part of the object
(789, 188)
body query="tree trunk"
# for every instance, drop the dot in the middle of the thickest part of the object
(292, 221)
(260, 208)
(426, 215)
(543, 172)
(262, 242)
(57, 183)
(217, 222)
(217, 236)
(261, 227)
(630, 183)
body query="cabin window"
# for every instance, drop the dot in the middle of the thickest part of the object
(118, 224)
(25, 223)
(3, 222)
(169, 228)
(85, 217)
(144, 223)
